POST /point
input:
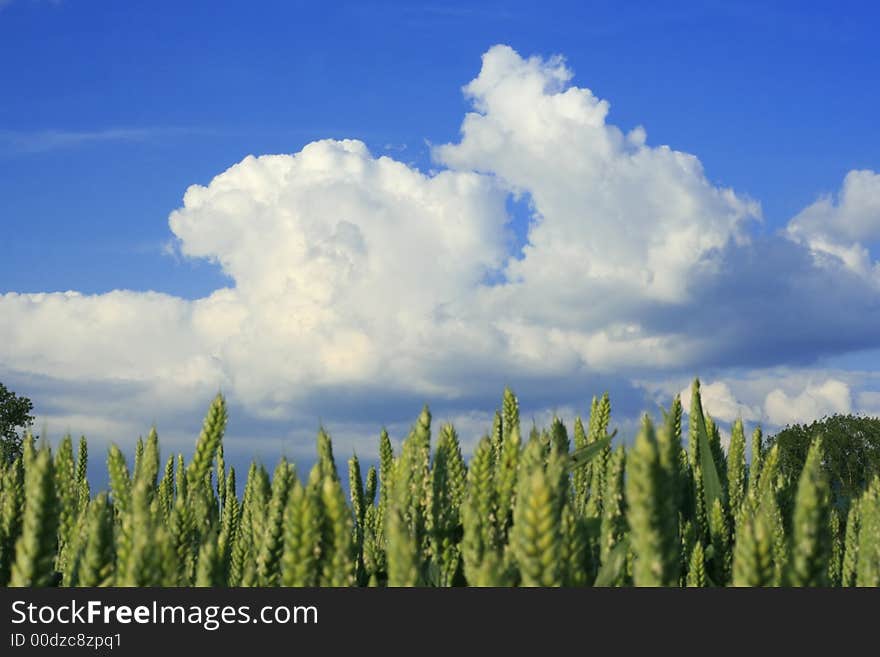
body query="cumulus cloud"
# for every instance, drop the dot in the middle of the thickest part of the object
(719, 401)
(359, 283)
(814, 402)
(843, 227)
(348, 269)
(610, 212)
(352, 271)
(773, 397)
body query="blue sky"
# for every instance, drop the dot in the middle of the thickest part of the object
(112, 110)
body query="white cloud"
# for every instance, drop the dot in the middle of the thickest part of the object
(357, 278)
(813, 403)
(610, 211)
(777, 396)
(356, 271)
(719, 401)
(121, 335)
(842, 227)
(85, 424)
(348, 269)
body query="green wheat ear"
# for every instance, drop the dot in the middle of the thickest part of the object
(600, 415)
(96, 565)
(229, 525)
(401, 521)
(506, 469)
(444, 521)
(720, 536)
(36, 547)
(139, 563)
(271, 545)
(165, 491)
(835, 561)
(757, 463)
(753, 552)
(613, 504)
(209, 569)
(851, 546)
(371, 486)
(337, 544)
(697, 569)
(68, 499)
(536, 539)
(207, 443)
(653, 535)
(149, 469)
(120, 481)
(11, 508)
(736, 468)
(868, 568)
(517, 516)
(302, 535)
(811, 539)
(220, 469)
(82, 482)
(325, 455)
(478, 544)
(356, 493)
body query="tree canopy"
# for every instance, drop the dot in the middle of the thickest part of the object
(852, 452)
(15, 414)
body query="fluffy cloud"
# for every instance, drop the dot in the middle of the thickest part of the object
(122, 335)
(356, 272)
(610, 212)
(719, 401)
(348, 269)
(814, 402)
(842, 228)
(358, 282)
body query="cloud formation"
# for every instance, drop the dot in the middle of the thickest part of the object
(813, 403)
(844, 227)
(359, 282)
(610, 212)
(719, 401)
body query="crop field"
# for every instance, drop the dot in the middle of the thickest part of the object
(555, 508)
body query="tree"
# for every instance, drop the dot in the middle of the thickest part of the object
(14, 415)
(852, 452)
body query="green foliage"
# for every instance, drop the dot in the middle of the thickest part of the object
(852, 453)
(523, 513)
(15, 414)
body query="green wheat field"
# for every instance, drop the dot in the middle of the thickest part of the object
(548, 510)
